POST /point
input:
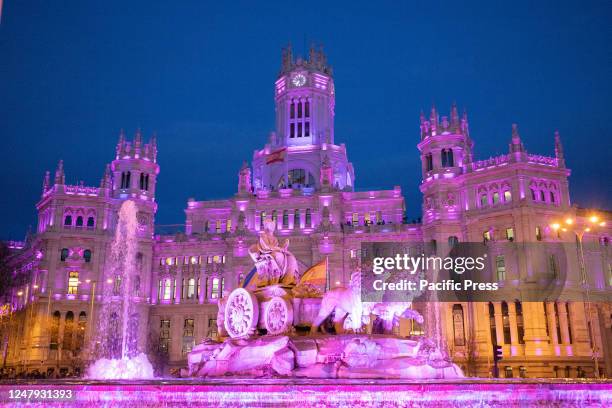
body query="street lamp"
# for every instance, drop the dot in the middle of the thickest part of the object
(593, 222)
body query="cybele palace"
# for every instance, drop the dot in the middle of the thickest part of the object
(302, 179)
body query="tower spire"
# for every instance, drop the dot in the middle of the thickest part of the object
(120, 143)
(516, 145)
(46, 181)
(454, 119)
(559, 150)
(60, 177)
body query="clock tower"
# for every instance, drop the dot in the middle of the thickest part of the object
(302, 154)
(304, 96)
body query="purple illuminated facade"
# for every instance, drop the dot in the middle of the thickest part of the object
(303, 181)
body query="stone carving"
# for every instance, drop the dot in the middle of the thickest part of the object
(274, 263)
(342, 302)
(241, 313)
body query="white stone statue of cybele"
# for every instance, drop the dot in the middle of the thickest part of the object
(274, 263)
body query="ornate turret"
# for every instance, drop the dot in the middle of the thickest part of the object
(559, 150)
(244, 180)
(106, 181)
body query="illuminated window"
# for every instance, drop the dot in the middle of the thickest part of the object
(378, 217)
(188, 336)
(68, 331)
(191, 288)
(522, 372)
(495, 198)
(164, 335)
(510, 234)
(167, 289)
(215, 288)
(73, 282)
(500, 268)
(355, 219)
(507, 196)
(486, 235)
(212, 328)
(519, 322)
(169, 261)
(218, 226)
(367, 219)
(54, 335)
(506, 322)
(508, 372)
(228, 225)
(484, 201)
(262, 218)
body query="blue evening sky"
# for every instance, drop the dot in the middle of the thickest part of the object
(201, 74)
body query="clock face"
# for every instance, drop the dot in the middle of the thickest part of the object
(299, 80)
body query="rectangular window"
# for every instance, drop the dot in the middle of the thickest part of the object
(306, 129)
(167, 289)
(495, 198)
(306, 110)
(73, 282)
(188, 333)
(500, 267)
(191, 288)
(486, 236)
(212, 328)
(215, 288)
(308, 218)
(367, 219)
(378, 217)
(285, 219)
(508, 372)
(296, 218)
(164, 335)
(355, 219)
(507, 196)
(218, 226)
(553, 266)
(228, 226)
(299, 131)
(510, 234)
(292, 130)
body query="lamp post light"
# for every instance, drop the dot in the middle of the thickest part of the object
(569, 224)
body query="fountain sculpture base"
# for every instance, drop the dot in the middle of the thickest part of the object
(326, 356)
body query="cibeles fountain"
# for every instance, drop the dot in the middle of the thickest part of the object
(117, 343)
(262, 322)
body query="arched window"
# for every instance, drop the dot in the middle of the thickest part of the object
(142, 181)
(452, 241)
(87, 255)
(292, 110)
(507, 196)
(73, 282)
(299, 110)
(128, 177)
(306, 110)
(64, 254)
(542, 196)
(54, 331)
(428, 162)
(533, 194)
(519, 322)
(68, 331)
(458, 325)
(79, 221)
(506, 323)
(553, 199)
(495, 198)
(80, 334)
(484, 200)
(90, 222)
(68, 220)
(447, 158)
(492, 327)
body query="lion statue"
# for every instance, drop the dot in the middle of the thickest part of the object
(344, 303)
